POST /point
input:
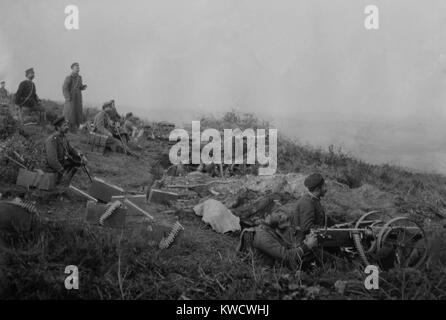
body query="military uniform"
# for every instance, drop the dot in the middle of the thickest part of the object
(308, 215)
(4, 97)
(274, 246)
(129, 127)
(72, 91)
(26, 97)
(102, 124)
(61, 157)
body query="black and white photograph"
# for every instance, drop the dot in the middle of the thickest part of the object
(227, 156)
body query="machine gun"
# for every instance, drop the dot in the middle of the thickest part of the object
(400, 242)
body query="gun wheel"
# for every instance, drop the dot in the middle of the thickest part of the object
(369, 221)
(404, 241)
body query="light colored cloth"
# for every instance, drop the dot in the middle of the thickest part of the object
(218, 216)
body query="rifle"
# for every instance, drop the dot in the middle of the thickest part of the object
(375, 239)
(21, 165)
(124, 144)
(87, 171)
(82, 164)
(118, 133)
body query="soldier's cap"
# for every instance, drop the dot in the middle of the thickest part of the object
(1, 82)
(59, 121)
(28, 71)
(106, 104)
(314, 181)
(74, 64)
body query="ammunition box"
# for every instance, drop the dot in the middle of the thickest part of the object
(46, 181)
(104, 191)
(98, 142)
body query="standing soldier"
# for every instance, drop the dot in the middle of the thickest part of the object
(60, 155)
(26, 96)
(4, 95)
(72, 91)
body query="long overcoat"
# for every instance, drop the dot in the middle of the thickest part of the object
(72, 91)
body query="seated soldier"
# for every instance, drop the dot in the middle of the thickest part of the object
(129, 125)
(61, 156)
(133, 127)
(124, 129)
(114, 115)
(116, 122)
(274, 242)
(103, 124)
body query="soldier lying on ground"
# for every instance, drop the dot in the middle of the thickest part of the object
(61, 156)
(310, 213)
(273, 242)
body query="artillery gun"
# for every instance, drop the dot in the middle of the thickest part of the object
(397, 242)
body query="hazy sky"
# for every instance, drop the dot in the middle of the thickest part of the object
(276, 57)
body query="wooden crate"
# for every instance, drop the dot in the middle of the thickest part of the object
(94, 212)
(97, 142)
(104, 191)
(46, 181)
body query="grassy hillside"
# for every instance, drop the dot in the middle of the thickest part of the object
(203, 264)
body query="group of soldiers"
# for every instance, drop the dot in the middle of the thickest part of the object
(282, 237)
(26, 98)
(122, 133)
(64, 159)
(61, 157)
